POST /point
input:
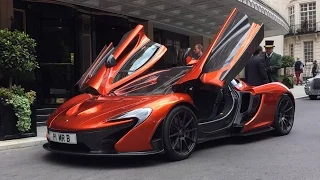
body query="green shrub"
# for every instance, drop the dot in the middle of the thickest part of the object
(17, 56)
(21, 103)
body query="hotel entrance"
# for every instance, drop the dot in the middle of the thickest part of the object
(68, 40)
(54, 28)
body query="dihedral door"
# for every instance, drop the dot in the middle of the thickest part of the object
(134, 55)
(229, 51)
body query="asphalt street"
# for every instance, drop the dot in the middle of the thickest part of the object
(264, 157)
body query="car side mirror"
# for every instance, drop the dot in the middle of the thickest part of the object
(111, 61)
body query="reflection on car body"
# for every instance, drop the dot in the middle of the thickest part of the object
(170, 110)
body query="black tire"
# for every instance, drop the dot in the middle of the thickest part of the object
(284, 116)
(180, 133)
(313, 97)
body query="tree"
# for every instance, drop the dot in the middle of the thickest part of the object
(17, 54)
(287, 61)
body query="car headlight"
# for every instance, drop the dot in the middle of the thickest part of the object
(141, 114)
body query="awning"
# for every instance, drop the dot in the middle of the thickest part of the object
(192, 17)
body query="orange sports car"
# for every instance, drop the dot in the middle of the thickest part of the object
(131, 108)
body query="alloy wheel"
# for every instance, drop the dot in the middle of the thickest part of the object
(183, 133)
(285, 115)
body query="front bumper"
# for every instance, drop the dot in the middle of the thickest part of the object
(47, 146)
(96, 143)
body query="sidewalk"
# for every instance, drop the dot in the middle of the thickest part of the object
(25, 142)
(298, 92)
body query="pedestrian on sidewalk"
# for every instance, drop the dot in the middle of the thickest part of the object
(298, 69)
(315, 68)
(255, 70)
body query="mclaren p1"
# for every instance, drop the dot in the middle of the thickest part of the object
(128, 108)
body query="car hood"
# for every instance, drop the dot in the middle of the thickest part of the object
(93, 113)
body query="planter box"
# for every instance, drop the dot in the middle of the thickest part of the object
(8, 122)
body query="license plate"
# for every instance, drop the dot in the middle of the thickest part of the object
(66, 138)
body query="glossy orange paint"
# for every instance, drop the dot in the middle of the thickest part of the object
(139, 138)
(102, 81)
(83, 82)
(195, 72)
(93, 113)
(271, 94)
(89, 112)
(190, 61)
(213, 78)
(69, 104)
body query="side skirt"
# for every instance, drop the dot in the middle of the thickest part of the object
(258, 131)
(209, 137)
(226, 134)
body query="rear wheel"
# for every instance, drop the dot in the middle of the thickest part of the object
(180, 133)
(313, 97)
(284, 116)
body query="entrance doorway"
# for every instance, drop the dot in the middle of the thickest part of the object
(54, 28)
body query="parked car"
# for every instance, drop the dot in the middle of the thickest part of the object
(312, 87)
(136, 112)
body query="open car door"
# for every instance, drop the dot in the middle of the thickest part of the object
(113, 67)
(228, 53)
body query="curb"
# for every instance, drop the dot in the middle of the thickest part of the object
(300, 97)
(22, 143)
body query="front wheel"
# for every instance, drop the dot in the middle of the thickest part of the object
(284, 116)
(180, 133)
(313, 97)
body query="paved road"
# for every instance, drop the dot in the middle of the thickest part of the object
(265, 157)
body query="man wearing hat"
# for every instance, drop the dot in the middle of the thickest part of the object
(272, 62)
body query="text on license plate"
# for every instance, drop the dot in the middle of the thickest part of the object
(66, 138)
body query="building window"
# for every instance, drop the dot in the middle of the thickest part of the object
(308, 51)
(308, 16)
(291, 51)
(291, 16)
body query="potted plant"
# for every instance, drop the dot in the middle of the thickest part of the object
(287, 79)
(17, 114)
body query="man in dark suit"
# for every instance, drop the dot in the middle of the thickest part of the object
(272, 62)
(255, 71)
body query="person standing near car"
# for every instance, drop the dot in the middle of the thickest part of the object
(314, 68)
(298, 69)
(197, 52)
(272, 62)
(255, 71)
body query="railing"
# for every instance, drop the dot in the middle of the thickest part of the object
(304, 28)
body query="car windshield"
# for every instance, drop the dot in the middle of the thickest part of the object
(138, 60)
(157, 83)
